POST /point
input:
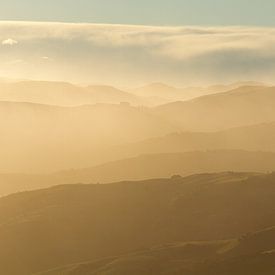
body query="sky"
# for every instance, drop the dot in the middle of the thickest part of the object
(132, 43)
(146, 12)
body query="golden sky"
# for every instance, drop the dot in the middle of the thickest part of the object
(126, 55)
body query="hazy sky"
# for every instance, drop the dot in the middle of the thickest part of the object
(156, 12)
(181, 42)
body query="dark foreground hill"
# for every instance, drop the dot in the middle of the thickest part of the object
(146, 167)
(252, 254)
(63, 225)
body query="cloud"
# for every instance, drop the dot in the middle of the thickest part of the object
(176, 42)
(146, 53)
(9, 42)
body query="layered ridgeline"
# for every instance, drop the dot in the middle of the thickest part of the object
(145, 167)
(64, 94)
(259, 137)
(149, 222)
(242, 106)
(43, 138)
(162, 93)
(38, 137)
(67, 94)
(64, 144)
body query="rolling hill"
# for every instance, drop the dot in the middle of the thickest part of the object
(71, 224)
(163, 93)
(198, 258)
(259, 137)
(67, 94)
(84, 136)
(37, 137)
(41, 138)
(64, 94)
(145, 167)
(239, 107)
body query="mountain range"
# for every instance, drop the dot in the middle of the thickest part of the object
(243, 106)
(88, 135)
(67, 94)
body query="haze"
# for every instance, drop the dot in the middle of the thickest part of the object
(137, 137)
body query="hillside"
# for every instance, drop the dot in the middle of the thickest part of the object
(67, 94)
(239, 107)
(145, 167)
(259, 137)
(163, 93)
(89, 135)
(79, 223)
(41, 138)
(45, 138)
(204, 258)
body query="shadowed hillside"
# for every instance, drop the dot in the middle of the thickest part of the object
(200, 258)
(63, 225)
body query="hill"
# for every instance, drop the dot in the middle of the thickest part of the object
(38, 138)
(85, 136)
(204, 258)
(67, 94)
(88, 135)
(79, 223)
(259, 137)
(239, 107)
(160, 93)
(64, 94)
(145, 167)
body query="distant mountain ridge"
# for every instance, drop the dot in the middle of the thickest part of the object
(246, 105)
(87, 135)
(169, 92)
(68, 132)
(259, 137)
(64, 94)
(67, 94)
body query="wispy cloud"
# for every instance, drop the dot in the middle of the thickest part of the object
(9, 42)
(147, 52)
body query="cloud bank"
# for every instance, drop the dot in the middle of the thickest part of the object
(125, 54)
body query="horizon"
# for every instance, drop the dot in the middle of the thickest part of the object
(164, 84)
